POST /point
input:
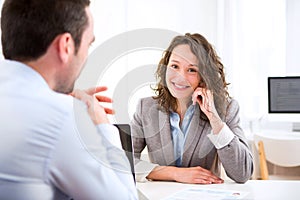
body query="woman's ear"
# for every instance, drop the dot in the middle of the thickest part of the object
(66, 47)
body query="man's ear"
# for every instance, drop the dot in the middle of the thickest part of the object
(66, 47)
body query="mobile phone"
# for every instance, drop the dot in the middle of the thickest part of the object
(199, 97)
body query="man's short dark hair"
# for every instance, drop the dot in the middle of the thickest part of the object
(29, 26)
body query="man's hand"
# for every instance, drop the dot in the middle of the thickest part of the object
(97, 112)
(94, 91)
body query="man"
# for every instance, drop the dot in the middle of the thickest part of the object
(54, 146)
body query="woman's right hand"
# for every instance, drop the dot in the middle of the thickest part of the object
(195, 175)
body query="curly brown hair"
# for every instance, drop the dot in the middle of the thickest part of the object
(211, 71)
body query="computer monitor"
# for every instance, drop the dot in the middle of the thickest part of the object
(284, 100)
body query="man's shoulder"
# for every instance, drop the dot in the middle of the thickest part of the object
(54, 103)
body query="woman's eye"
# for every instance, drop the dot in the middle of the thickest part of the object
(174, 66)
(192, 70)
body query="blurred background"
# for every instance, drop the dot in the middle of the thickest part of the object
(254, 38)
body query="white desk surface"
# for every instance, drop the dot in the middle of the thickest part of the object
(274, 134)
(256, 189)
(279, 134)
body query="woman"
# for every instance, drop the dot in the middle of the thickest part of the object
(192, 125)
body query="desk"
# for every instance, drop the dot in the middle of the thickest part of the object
(256, 189)
(279, 134)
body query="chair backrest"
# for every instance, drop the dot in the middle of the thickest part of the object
(280, 151)
(126, 141)
(264, 172)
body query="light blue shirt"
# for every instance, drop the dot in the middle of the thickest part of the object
(50, 148)
(179, 133)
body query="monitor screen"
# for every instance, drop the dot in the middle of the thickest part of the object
(284, 94)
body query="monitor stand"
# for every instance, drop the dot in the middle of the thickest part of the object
(296, 127)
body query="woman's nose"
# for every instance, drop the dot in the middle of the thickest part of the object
(180, 75)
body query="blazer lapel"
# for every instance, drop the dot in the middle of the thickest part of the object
(194, 134)
(166, 138)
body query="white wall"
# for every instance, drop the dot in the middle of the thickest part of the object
(293, 39)
(242, 31)
(117, 16)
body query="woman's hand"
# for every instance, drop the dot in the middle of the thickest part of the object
(97, 112)
(205, 99)
(195, 175)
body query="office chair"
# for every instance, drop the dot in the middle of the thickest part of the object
(280, 152)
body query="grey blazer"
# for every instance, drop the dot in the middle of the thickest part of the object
(151, 127)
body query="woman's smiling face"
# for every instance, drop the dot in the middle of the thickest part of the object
(182, 76)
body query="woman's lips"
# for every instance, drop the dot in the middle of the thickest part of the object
(179, 86)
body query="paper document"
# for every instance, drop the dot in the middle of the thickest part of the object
(207, 194)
